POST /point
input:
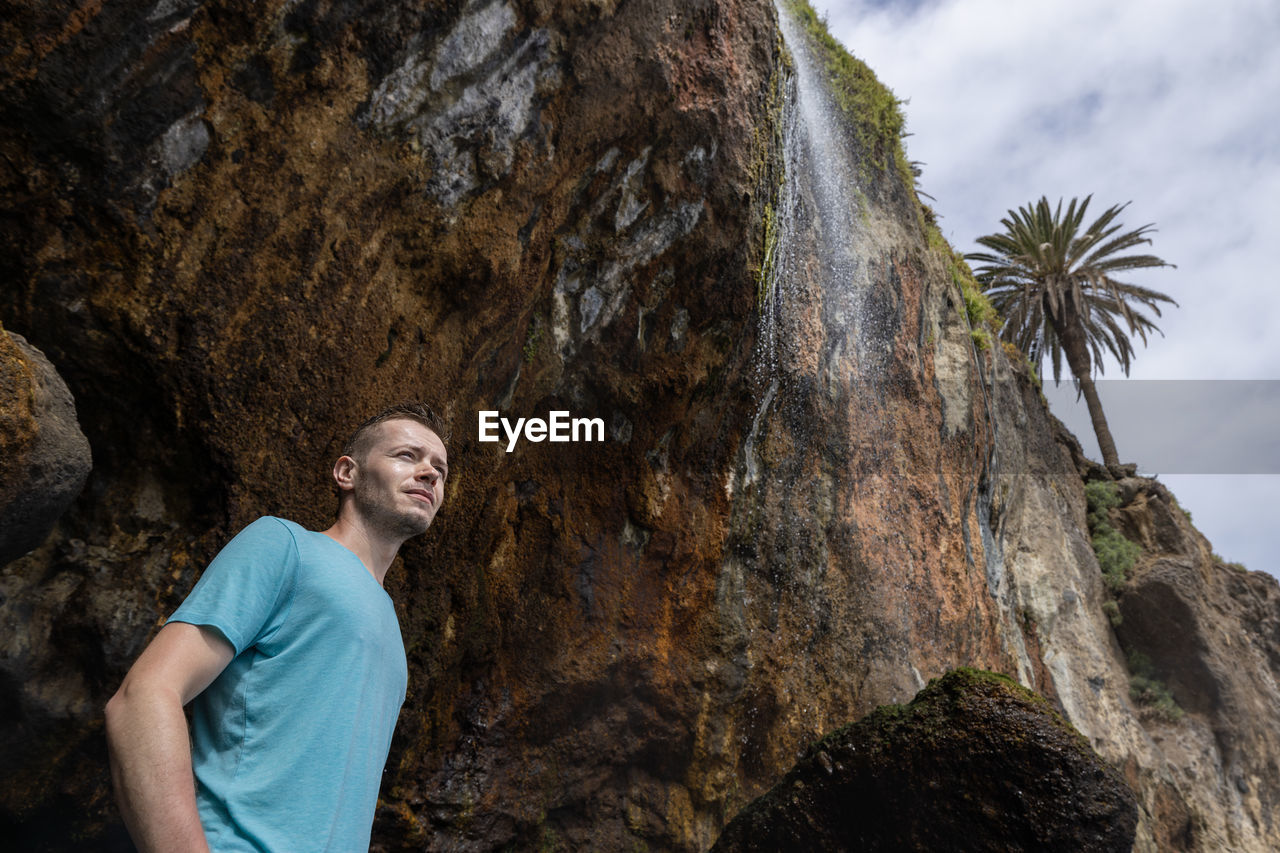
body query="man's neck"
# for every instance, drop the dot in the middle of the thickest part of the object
(376, 552)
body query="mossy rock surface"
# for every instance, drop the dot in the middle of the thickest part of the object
(974, 762)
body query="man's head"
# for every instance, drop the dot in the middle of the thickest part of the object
(367, 431)
(392, 472)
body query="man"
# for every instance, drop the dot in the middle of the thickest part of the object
(289, 651)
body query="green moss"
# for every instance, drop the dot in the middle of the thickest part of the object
(933, 234)
(531, 341)
(548, 840)
(768, 172)
(984, 321)
(764, 281)
(927, 715)
(1116, 554)
(977, 307)
(873, 111)
(964, 677)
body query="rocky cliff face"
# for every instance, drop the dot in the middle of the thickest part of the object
(1211, 633)
(236, 228)
(1196, 789)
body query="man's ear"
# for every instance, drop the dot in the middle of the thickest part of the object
(344, 473)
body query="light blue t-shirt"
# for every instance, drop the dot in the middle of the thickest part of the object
(290, 741)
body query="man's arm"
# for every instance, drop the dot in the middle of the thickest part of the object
(147, 736)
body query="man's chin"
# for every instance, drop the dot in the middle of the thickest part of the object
(413, 525)
(420, 526)
(401, 525)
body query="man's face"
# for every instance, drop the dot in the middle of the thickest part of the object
(398, 485)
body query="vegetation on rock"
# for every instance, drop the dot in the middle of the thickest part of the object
(874, 112)
(1146, 688)
(768, 170)
(982, 315)
(1116, 554)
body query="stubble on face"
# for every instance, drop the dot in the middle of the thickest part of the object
(389, 520)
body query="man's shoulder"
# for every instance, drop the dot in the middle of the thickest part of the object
(277, 521)
(274, 534)
(271, 532)
(273, 524)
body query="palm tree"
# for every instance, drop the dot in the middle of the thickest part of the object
(1053, 284)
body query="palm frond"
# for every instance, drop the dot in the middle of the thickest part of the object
(1050, 276)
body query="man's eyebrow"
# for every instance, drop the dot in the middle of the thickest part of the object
(420, 449)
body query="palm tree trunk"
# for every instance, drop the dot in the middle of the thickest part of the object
(1074, 347)
(1106, 443)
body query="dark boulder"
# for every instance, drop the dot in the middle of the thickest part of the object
(44, 457)
(974, 762)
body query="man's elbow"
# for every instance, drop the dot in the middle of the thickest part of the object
(134, 698)
(115, 713)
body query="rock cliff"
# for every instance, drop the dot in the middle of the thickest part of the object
(238, 227)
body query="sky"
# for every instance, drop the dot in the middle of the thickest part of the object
(1172, 106)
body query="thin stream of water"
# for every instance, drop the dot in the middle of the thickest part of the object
(821, 173)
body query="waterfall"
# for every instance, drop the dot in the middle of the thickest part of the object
(819, 224)
(819, 328)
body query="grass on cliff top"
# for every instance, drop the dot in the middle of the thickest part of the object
(874, 112)
(984, 320)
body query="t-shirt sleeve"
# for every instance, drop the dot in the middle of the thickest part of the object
(244, 593)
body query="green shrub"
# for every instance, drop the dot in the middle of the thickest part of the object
(1222, 561)
(1116, 554)
(1112, 609)
(1101, 496)
(1146, 688)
